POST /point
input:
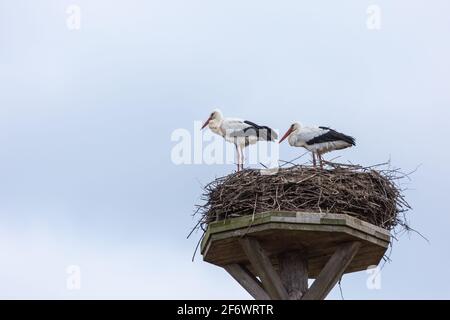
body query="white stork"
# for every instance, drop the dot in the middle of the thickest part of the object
(318, 140)
(241, 133)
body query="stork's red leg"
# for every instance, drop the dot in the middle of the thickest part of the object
(314, 159)
(242, 159)
(238, 157)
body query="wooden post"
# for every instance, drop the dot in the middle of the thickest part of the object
(247, 281)
(263, 268)
(332, 271)
(303, 245)
(293, 267)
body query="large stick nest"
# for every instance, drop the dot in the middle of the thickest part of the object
(370, 194)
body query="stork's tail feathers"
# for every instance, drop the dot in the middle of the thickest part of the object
(349, 139)
(268, 134)
(332, 135)
(262, 132)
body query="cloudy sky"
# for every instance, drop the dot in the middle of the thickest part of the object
(86, 118)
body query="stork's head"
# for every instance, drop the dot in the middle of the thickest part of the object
(294, 127)
(216, 116)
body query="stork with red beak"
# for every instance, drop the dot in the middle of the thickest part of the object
(241, 133)
(317, 140)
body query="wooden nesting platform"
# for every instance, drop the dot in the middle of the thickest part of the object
(272, 254)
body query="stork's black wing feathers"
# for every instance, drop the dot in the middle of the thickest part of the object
(261, 131)
(330, 136)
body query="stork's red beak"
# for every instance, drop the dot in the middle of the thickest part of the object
(286, 135)
(206, 123)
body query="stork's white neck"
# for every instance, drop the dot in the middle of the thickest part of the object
(215, 126)
(292, 139)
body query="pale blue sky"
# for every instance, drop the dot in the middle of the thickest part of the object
(86, 118)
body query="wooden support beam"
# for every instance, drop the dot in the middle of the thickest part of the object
(243, 276)
(332, 271)
(263, 268)
(293, 267)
